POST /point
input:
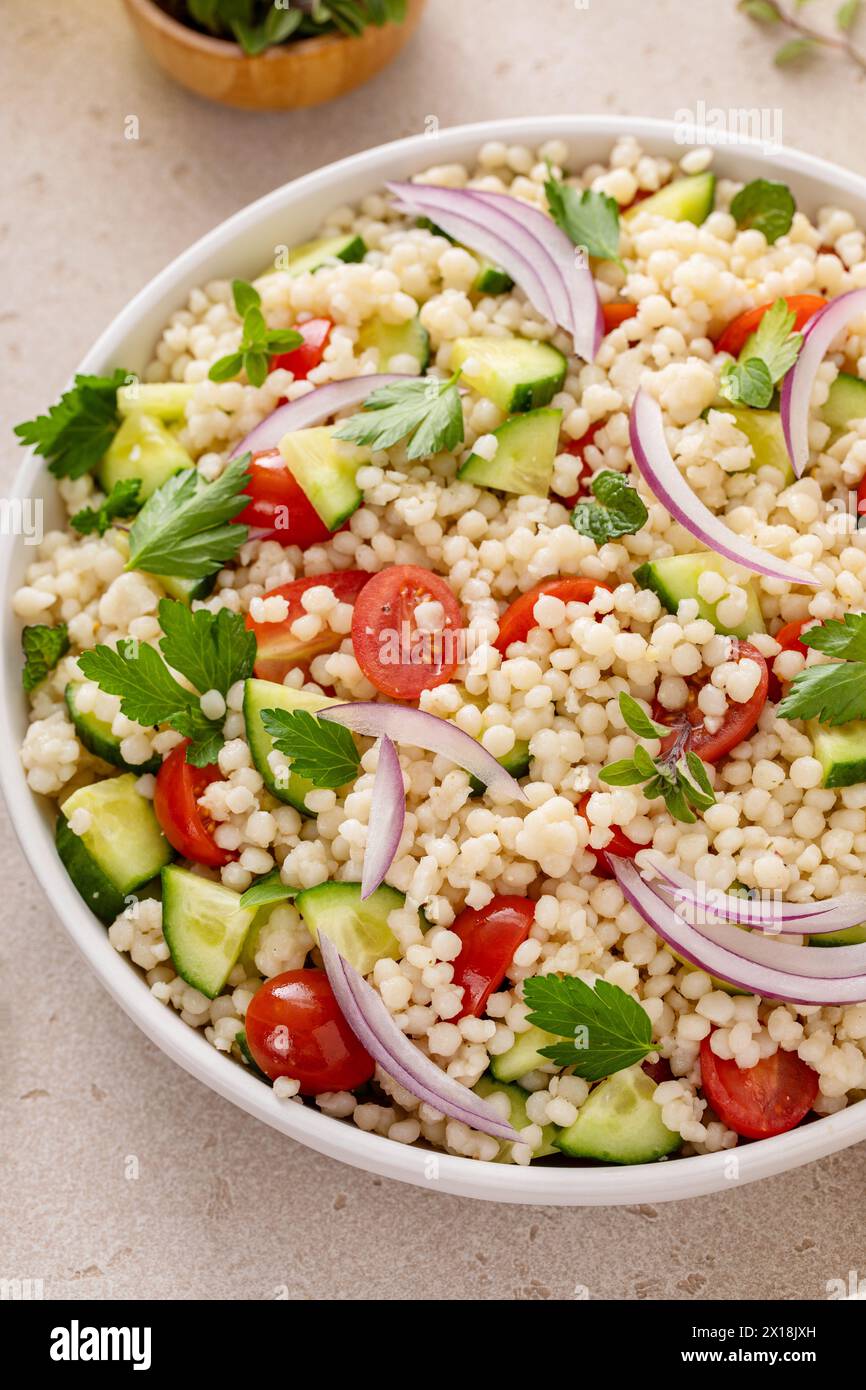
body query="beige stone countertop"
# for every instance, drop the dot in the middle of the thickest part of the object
(224, 1207)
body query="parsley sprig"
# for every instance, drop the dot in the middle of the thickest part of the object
(43, 647)
(618, 509)
(318, 749)
(589, 218)
(122, 501)
(681, 781)
(257, 341)
(212, 650)
(603, 1029)
(765, 205)
(76, 432)
(766, 356)
(422, 410)
(833, 692)
(186, 528)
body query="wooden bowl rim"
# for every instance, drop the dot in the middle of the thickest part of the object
(153, 14)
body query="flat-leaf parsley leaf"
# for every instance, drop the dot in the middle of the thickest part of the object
(603, 1029)
(422, 410)
(318, 749)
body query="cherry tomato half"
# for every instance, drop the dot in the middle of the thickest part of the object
(733, 338)
(615, 314)
(308, 354)
(577, 448)
(278, 647)
(294, 1027)
(187, 827)
(619, 843)
(517, 621)
(737, 723)
(279, 509)
(395, 655)
(788, 638)
(490, 936)
(757, 1102)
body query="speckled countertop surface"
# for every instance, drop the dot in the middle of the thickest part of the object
(223, 1207)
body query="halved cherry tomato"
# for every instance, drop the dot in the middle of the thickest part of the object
(308, 354)
(615, 314)
(278, 647)
(517, 621)
(737, 723)
(490, 936)
(788, 638)
(733, 338)
(398, 657)
(280, 510)
(185, 825)
(577, 447)
(861, 497)
(757, 1102)
(619, 843)
(294, 1027)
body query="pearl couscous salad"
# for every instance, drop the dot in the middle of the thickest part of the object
(452, 678)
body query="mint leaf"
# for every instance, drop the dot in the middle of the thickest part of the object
(121, 501)
(77, 431)
(43, 647)
(422, 410)
(267, 890)
(257, 340)
(767, 206)
(246, 297)
(320, 750)
(618, 511)
(185, 528)
(638, 720)
(607, 1028)
(794, 51)
(590, 219)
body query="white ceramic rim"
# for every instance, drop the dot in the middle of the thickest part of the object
(231, 248)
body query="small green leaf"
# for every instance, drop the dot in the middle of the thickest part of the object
(590, 219)
(618, 511)
(318, 749)
(624, 773)
(766, 205)
(227, 368)
(267, 890)
(246, 297)
(256, 367)
(43, 647)
(761, 10)
(794, 51)
(747, 383)
(604, 1029)
(847, 13)
(638, 720)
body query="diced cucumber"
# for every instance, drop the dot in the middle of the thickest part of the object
(312, 255)
(523, 462)
(676, 578)
(841, 751)
(689, 199)
(204, 927)
(244, 1049)
(97, 737)
(850, 936)
(492, 279)
(396, 340)
(487, 1086)
(524, 1056)
(259, 695)
(514, 373)
(123, 848)
(165, 400)
(142, 448)
(186, 590)
(845, 403)
(325, 469)
(763, 429)
(358, 928)
(620, 1122)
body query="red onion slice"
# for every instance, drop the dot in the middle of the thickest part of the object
(373, 1025)
(411, 726)
(818, 334)
(707, 955)
(387, 814)
(653, 458)
(313, 409)
(798, 919)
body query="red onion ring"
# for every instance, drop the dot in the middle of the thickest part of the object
(798, 919)
(387, 815)
(796, 394)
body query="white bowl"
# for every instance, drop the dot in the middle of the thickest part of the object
(239, 247)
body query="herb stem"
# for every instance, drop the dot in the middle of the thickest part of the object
(840, 43)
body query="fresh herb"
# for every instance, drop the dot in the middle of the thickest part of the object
(767, 355)
(682, 781)
(43, 647)
(806, 40)
(618, 511)
(607, 1030)
(76, 432)
(318, 749)
(121, 501)
(767, 206)
(213, 651)
(833, 692)
(186, 527)
(267, 890)
(590, 219)
(257, 340)
(261, 24)
(422, 410)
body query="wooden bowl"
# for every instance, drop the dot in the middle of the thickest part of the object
(285, 78)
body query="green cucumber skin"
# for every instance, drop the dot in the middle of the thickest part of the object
(102, 745)
(492, 280)
(846, 774)
(96, 889)
(609, 1137)
(846, 402)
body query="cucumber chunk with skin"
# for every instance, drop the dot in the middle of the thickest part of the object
(187, 590)
(492, 279)
(97, 738)
(164, 400)
(524, 1056)
(204, 927)
(488, 1086)
(391, 340)
(312, 255)
(523, 462)
(122, 849)
(258, 695)
(688, 199)
(325, 468)
(841, 751)
(676, 578)
(619, 1122)
(845, 403)
(357, 927)
(142, 448)
(763, 429)
(515, 373)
